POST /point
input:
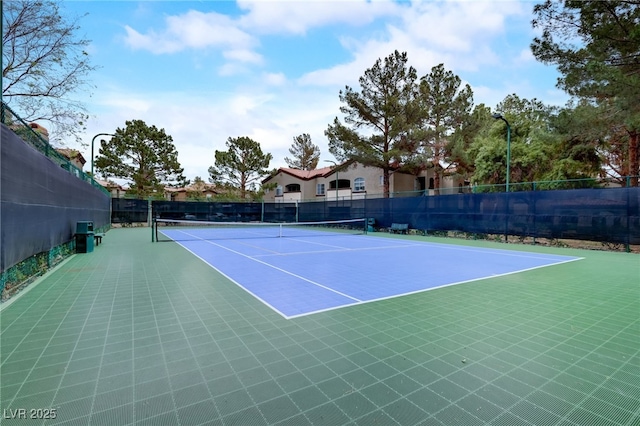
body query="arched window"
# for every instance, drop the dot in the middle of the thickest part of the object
(358, 185)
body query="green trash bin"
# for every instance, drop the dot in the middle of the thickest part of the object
(371, 222)
(84, 237)
(84, 227)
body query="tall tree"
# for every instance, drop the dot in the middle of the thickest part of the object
(43, 64)
(460, 149)
(596, 47)
(241, 166)
(384, 111)
(588, 134)
(143, 155)
(445, 107)
(541, 146)
(305, 154)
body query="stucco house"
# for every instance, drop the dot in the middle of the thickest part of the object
(74, 157)
(116, 190)
(349, 180)
(190, 193)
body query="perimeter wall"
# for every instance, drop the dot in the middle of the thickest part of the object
(609, 215)
(40, 202)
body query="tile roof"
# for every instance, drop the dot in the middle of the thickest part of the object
(306, 174)
(70, 154)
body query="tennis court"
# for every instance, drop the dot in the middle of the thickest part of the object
(311, 269)
(138, 333)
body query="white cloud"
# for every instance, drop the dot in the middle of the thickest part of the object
(243, 104)
(275, 79)
(457, 34)
(192, 30)
(297, 17)
(273, 106)
(525, 57)
(232, 68)
(243, 55)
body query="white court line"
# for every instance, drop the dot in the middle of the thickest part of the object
(405, 244)
(338, 250)
(234, 281)
(277, 253)
(409, 244)
(274, 267)
(393, 296)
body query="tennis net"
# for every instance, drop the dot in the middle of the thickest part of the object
(192, 230)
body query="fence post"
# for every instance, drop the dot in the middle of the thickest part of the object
(628, 244)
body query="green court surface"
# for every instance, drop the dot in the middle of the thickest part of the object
(143, 333)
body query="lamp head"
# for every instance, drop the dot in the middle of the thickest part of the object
(496, 116)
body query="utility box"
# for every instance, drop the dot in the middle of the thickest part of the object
(84, 237)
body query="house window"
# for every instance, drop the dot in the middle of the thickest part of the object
(342, 184)
(431, 183)
(358, 185)
(381, 180)
(320, 189)
(293, 187)
(278, 191)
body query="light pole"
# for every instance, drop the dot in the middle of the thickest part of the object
(500, 117)
(92, 141)
(336, 168)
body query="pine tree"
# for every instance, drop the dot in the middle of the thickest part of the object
(143, 155)
(384, 109)
(241, 166)
(305, 154)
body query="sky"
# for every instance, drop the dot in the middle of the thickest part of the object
(206, 71)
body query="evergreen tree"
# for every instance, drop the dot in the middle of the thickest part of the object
(143, 155)
(241, 166)
(305, 154)
(596, 47)
(384, 111)
(445, 107)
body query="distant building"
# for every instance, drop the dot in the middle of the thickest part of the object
(116, 190)
(350, 180)
(196, 192)
(42, 131)
(74, 157)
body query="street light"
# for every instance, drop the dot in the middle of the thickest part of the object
(500, 117)
(336, 168)
(92, 141)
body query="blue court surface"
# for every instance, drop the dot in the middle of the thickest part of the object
(297, 276)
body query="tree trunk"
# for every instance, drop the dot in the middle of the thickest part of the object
(633, 158)
(385, 182)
